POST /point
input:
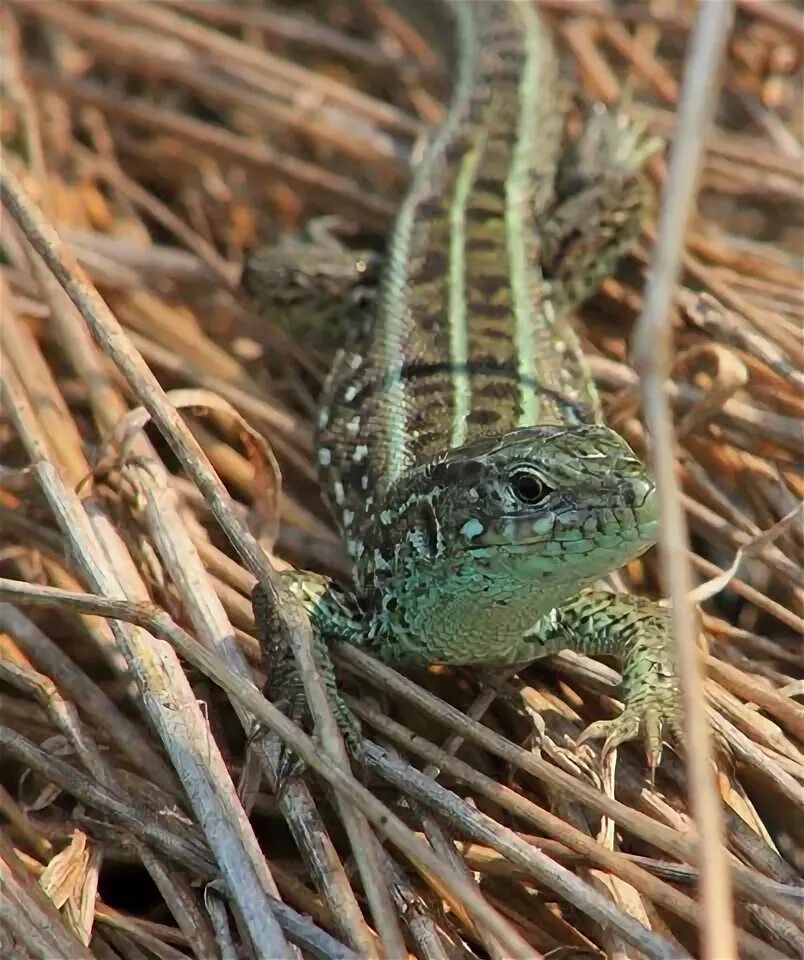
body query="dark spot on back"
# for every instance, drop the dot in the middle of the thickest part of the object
(480, 215)
(483, 417)
(489, 284)
(501, 333)
(492, 185)
(492, 389)
(482, 244)
(435, 263)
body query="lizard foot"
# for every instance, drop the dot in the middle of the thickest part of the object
(291, 766)
(651, 720)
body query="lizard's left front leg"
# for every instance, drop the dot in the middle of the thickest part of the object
(637, 632)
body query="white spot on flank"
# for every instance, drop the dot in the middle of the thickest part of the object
(338, 493)
(353, 426)
(364, 482)
(360, 453)
(324, 457)
(350, 393)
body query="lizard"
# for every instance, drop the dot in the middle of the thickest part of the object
(461, 443)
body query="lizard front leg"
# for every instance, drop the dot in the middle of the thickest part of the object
(333, 616)
(636, 631)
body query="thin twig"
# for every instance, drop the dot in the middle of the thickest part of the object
(652, 358)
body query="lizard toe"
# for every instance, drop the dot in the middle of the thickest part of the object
(614, 732)
(649, 722)
(288, 768)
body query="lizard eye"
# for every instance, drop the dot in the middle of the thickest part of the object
(528, 488)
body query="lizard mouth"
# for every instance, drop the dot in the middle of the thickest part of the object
(607, 530)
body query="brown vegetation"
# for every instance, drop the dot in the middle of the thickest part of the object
(161, 141)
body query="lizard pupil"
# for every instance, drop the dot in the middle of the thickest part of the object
(528, 488)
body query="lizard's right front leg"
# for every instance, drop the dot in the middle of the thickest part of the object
(333, 616)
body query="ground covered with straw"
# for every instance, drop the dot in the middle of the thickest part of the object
(156, 446)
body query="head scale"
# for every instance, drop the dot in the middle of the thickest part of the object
(498, 532)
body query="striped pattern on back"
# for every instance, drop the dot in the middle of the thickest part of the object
(465, 343)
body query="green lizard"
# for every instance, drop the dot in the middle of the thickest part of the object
(461, 443)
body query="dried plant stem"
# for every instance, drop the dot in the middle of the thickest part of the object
(652, 358)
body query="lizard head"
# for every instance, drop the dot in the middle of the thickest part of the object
(513, 525)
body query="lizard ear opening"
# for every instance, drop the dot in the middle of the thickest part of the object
(424, 529)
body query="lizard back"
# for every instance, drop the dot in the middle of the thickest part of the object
(465, 341)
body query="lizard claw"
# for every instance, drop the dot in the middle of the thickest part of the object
(288, 767)
(649, 721)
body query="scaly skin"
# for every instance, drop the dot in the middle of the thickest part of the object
(461, 444)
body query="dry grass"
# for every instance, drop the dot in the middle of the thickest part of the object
(163, 140)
